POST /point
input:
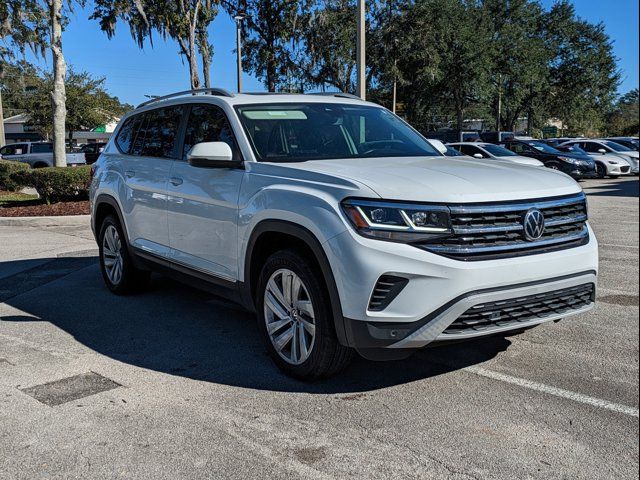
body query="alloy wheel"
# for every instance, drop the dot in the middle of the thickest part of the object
(112, 255)
(289, 316)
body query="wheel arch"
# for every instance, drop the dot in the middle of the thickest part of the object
(106, 205)
(267, 238)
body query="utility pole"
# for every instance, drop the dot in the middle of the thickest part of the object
(239, 19)
(395, 74)
(2, 139)
(361, 54)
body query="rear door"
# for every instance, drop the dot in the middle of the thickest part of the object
(149, 141)
(203, 202)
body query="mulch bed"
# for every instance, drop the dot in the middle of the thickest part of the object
(36, 208)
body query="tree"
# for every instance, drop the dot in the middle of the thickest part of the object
(185, 21)
(88, 104)
(623, 120)
(18, 81)
(58, 92)
(22, 25)
(274, 29)
(583, 71)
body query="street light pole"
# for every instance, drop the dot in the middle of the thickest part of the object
(239, 19)
(2, 139)
(361, 49)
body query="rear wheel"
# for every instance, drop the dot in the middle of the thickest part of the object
(296, 320)
(118, 271)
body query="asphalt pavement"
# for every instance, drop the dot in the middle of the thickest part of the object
(173, 383)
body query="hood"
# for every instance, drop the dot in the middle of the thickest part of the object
(446, 179)
(522, 160)
(610, 157)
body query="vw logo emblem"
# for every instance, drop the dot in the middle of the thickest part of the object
(533, 224)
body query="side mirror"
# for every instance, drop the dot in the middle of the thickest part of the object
(602, 151)
(438, 145)
(478, 155)
(212, 155)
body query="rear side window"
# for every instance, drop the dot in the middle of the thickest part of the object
(151, 134)
(207, 123)
(41, 148)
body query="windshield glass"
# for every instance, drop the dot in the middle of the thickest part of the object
(498, 151)
(616, 146)
(543, 147)
(323, 131)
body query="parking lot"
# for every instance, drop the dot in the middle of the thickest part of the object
(174, 382)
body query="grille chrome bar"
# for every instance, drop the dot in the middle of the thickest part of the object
(511, 246)
(515, 207)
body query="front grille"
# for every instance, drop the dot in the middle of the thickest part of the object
(509, 313)
(488, 231)
(625, 169)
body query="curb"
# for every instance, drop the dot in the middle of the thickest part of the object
(45, 221)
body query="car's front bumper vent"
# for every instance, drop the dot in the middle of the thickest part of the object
(522, 310)
(387, 288)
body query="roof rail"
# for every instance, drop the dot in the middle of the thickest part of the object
(337, 94)
(221, 92)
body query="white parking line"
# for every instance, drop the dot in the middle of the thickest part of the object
(557, 392)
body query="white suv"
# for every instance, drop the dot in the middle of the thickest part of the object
(338, 224)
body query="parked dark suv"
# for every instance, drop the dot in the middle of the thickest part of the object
(577, 165)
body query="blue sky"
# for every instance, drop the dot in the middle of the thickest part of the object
(131, 73)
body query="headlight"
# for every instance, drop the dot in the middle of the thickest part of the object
(398, 222)
(568, 159)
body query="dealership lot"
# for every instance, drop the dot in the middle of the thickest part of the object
(174, 382)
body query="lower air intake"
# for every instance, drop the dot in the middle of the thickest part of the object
(386, 290)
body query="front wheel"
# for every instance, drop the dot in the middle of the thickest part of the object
(296, 320)
(601, 170)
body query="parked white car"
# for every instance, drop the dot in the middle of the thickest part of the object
(612, 159)
(492, 151)
(339, 225)
(37, 154)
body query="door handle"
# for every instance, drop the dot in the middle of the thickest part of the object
(130, 173)
(175, 181)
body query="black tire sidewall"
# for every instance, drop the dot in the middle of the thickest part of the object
(127, 268)
(325, 335)
(601, 170)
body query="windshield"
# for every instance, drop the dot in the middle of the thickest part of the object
(543, 147)
(498, 151)
(323, 131)
(616, 146)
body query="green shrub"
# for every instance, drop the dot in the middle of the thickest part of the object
(54, 184)
(7, 169)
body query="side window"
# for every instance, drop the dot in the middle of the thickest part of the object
(471, 150)
(591, 147)
(161, 132)
(41, 148)
(127, 133)
(15, 149)
(207, 123)
(518, 148)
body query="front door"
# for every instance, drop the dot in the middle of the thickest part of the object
(203, 202)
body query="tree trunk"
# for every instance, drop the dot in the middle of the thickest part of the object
(459, 117)
(271, 75)
(206, 65)
(59, 95)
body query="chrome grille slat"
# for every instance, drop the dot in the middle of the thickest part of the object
(497, 231)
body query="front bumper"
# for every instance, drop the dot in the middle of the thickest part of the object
(441, 289)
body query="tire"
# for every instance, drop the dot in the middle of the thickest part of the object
(601, 170)
(304, 315)
(555, 167)
(118, 271)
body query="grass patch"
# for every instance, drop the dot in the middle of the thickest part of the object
(8, 199)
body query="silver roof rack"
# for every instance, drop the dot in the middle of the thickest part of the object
(337, 94)
(221, 92)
